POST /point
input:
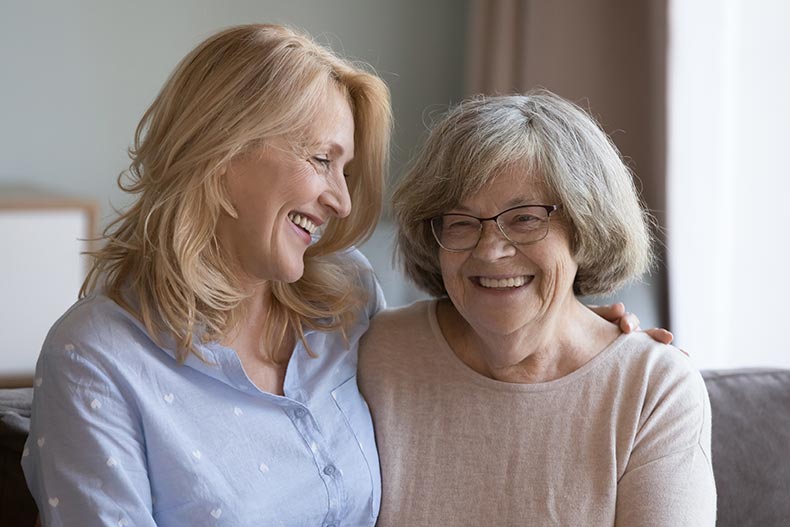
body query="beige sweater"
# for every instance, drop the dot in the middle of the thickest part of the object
(624, 440)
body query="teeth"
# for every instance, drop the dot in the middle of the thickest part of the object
(303, 222)
(518, 281)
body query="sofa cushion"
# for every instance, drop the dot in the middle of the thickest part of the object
(750, 411)
(16, 505)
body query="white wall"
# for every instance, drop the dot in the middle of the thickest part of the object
(729, 181)
(39, 281)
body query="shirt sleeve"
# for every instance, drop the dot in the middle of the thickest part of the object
(85, 459)
(669, 477)
(376, 301)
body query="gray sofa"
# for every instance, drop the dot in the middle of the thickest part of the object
(751, 449)
(751, 446)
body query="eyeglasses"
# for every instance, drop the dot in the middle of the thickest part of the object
(520, 225)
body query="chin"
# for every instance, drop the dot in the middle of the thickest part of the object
(292, 275)
(283, 272)
(294, 270)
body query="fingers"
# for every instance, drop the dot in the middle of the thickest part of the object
(628, 323)
(611, 313)
(661, 335)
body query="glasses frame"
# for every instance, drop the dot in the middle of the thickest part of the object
(548, 208)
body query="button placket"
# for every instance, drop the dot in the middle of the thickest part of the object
(328, 471)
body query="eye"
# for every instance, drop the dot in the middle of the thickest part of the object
(462, 223)
(525, 218)
(322, 160)
(524, 222)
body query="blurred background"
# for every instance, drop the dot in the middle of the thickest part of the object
(693, 93)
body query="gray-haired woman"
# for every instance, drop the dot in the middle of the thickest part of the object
(506, 401)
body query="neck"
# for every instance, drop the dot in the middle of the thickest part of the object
(248, 333)
(554, 345)
(265, 368)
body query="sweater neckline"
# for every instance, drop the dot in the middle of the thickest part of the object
(471, 375)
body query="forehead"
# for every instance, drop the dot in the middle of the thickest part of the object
(508, 187)
(334, 123)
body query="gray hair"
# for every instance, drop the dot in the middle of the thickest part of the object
(551, 138)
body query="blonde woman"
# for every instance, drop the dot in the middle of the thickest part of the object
(207, 375)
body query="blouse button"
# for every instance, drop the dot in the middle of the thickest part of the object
(299, 413)
(329, 470)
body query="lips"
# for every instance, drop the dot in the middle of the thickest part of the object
(510, 282)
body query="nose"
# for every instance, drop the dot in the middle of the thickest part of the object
(492, 244)
(336, 196)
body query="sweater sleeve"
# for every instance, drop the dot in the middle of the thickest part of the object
(668, 480)
(85, 458)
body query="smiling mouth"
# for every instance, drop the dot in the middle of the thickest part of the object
(303, 222)
(503, 283)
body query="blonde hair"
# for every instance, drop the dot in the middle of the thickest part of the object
(237, 89)
(546, 136)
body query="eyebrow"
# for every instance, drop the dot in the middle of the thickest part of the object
(336, 147)
(337, 150)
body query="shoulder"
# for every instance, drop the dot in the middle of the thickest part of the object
(402, 319)
(355, 257)
(664, 367)
(96, 350)
(354, 262)
(92, 318)
(398, 340)
(357, 263)
(95, 329)
(398, 329)
(667, 385)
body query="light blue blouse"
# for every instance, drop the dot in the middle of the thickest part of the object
(122, 434)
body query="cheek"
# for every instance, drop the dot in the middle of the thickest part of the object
(450, 266)
(299, 187)
(561, 270)
(234, 186)
(567, 262)
(247, 195)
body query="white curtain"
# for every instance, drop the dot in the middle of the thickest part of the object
(728, 193)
